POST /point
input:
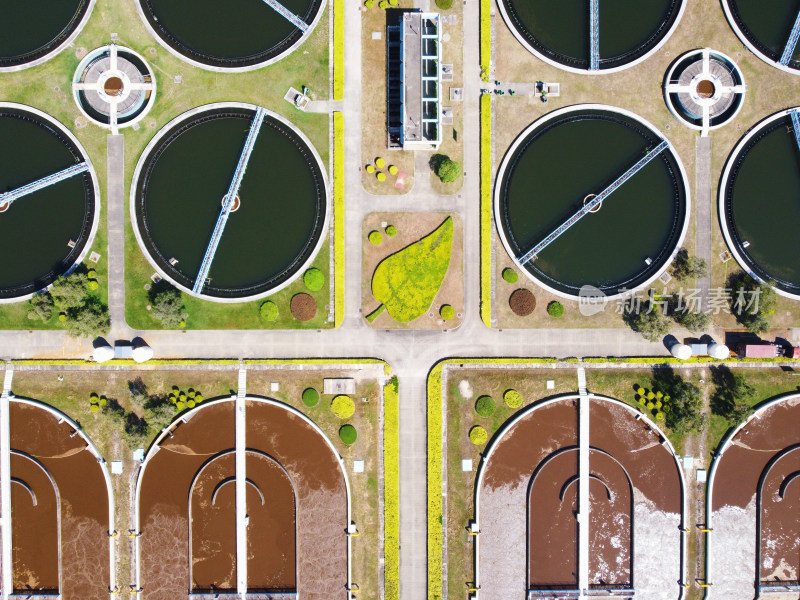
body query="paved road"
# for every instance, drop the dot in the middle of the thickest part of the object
(411, 353)
(702, 212)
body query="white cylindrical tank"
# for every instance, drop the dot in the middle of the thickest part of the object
(103, 353)
(681, 351)
(718, 351)
(142, 353)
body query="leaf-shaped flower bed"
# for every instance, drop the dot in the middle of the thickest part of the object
(406, 282)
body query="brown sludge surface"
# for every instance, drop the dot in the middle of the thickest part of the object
(761, 448)
(271, 530)
(505, 540)
(321, 498)
(164, 518)
(84, 506)
(611, 505)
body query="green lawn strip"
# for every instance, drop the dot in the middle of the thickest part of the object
(391, 489)
(338, 216)
(486, 206)
(338, 49)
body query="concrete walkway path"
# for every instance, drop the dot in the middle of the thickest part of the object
(703, 212)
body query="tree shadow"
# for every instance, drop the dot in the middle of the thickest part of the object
(436, 161)
(722, 400)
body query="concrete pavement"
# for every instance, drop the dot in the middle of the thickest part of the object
(702, 213)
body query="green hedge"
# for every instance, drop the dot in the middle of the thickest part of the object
(338, 204)
(512, 398)
(435, 483)
(478, 435)
(486, 205)
(510, 276)
(375, 237)
(391, 490)
(447, 312)
(338, 49)
(348, 434)
(310, 397)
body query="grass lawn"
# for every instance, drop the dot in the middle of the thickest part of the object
(639, 89)
(47, 87)
(71, 395)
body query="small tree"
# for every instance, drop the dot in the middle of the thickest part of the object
(650, 323)
(686, 403)
(69, 292)
(688, 267)
(168, 308)
(733, 396)
(693, 321)
(40, 307)
(555, 309)
(448, 170)
(752, 302)
(90, 319)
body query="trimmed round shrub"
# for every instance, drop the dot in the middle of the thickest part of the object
(391, 231)
(348, 434)
(512, 398)
(380, 163)
(93, 285)
(182, 324)
(659, 395)
(314, 279)
(310, 397)
(182, 397)
(444, 4)
(173, 399)
(198, 398)
(651, 396)
(447, 312)
(343, 406)
(62, 317)
(191, 403)
(180, 405)
(103, 401)
(384, 4)
(640, 391)
(510, 276)
(269, 311)
(370, 168)
(94, 408)
(393, 170)
(478, 435)
(381, 176)
(658, 404)
(555, 309)
(485, 406)
(375, 237)
(642, 401)
(394, 2)
(93, 398)
(650, 406)
(369, 3)
(92, 274)
(659, 416)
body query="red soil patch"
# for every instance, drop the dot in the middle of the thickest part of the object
(304, 307)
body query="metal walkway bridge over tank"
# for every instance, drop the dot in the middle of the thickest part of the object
(287, 14)
(791, 44)
(795, 114)
(8, 197)
(228, 201)
(587, 208)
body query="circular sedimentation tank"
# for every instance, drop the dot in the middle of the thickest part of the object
(766, 29)
(33, 31)
(45, 230)
(234, 35)
(114, 87)
(553, 170)
(759, 206)
(560, 33)
(704, 89)
(281, 212)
